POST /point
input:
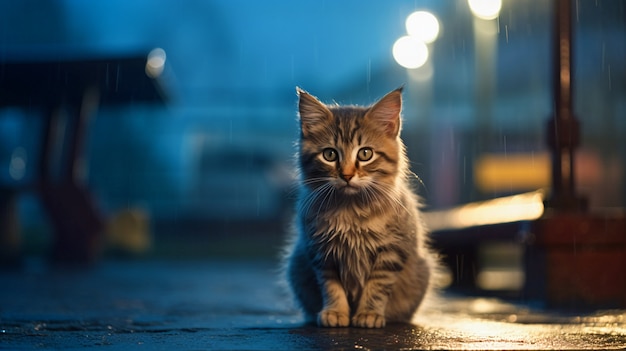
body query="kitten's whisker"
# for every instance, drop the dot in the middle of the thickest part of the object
(306, 202)
(316, 180)
(311, 181)
(370, 196)
(389, 192)
(411, 175)
(313, 197)
(328, 190)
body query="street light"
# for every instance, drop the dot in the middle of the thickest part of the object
(485, 9)
(423, 25)
(411, 51)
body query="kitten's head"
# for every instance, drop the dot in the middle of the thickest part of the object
(351, 152)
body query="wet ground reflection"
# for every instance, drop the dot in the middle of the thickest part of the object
(239, 305)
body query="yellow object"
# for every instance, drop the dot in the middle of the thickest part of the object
(512, 172)
(128, 231)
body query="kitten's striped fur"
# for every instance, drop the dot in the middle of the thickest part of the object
(358, 257)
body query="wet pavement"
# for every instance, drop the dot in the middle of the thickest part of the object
(239, 305)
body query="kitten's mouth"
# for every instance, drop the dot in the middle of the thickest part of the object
(349, 189)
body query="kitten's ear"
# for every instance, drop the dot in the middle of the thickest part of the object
(314, 115)
(385, 114)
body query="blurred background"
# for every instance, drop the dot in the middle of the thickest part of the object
(210, 171)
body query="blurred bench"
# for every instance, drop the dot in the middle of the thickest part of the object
(54, 83)
(567, 259)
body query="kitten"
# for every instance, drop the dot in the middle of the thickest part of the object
(359, 256)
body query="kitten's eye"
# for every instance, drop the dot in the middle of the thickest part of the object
(330, 155)
(365, 154)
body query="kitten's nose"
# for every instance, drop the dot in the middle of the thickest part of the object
(347, 177)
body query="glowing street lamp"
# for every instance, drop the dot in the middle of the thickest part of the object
(410, 51)
(485, 9)
(423, 25)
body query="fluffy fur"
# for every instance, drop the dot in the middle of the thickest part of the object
(358, 256)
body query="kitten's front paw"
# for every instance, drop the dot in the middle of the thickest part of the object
(329, 318)
(368, 320)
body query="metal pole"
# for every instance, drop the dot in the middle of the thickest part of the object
(563, 128)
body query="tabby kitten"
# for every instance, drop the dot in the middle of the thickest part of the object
(359, 256)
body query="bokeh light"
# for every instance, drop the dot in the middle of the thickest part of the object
(485, 9)
(410, 52)
(17, 166)
(423, 25)
(155, 63)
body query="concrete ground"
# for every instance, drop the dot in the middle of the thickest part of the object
(238, 305)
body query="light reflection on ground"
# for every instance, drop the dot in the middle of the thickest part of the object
(238, 305)
(483, 323)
